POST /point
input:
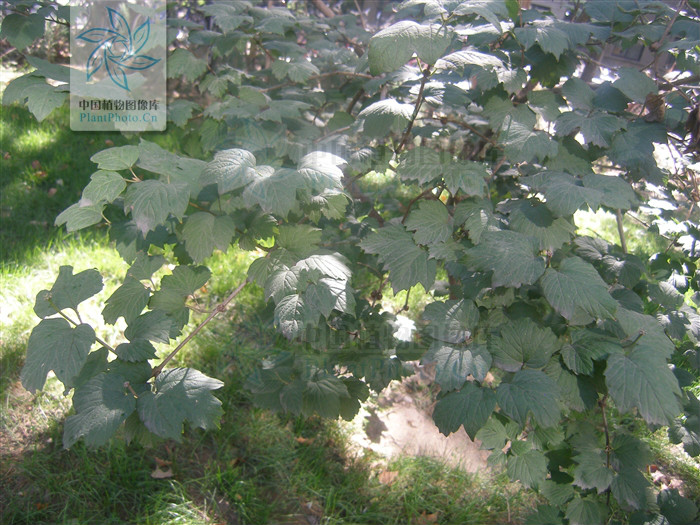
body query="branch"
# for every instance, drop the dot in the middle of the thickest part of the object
(321, 6)
(621, 230)
(419, 102)
(71, 321)
(219, 308)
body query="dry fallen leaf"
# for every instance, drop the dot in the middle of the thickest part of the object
(387, 477)
(162, 473)
(304, 441)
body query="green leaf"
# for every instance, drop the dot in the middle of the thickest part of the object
(494, 435)
(102, 405)
(467, 57)
(676, 508)
(529, 468)
(292, 316)
(42, 99)
(635, 84)
(431, 223)
(530, 391)
(385, 116)
(564, 193)
(180, 394)
(584, 511)
(578, 94)
(577, 292)
(492, 11)
(546, 34)
(511, 255)
(68, 291)
(172, 167)
(136, 350)
(471, 406)
(127, 301)
(616, 192)
(79, 216)
(151, 202)
(453, 365)
(104, 186)
(274, 191)
(180, 111)
(116, 159)
(420, 164)
(280, 283)
(470, 177)
(55, 345)
(523, 143)
(332, 265)
(557, 493)
(322, 395)
(586, 347)
(546, 104)
(299, 238)
(231, 169)
(630, 488)
(534, 219)
(476, 217)
(643, 380)
(183, 63)
(391, 48)
(523, 344)
(203, 232)
(153, 326)
(591, 471)
(408, 264)
(22, 30)
(597, 127)
(320, 170)
(451, 321)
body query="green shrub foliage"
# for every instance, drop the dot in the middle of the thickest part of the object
(445, 151)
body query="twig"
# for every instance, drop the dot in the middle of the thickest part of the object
(416, 109)
(621, 230)
(219, 308)
(71, 321)
(607, 442)
(413, 201)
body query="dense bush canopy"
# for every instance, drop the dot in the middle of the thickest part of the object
(443, 147)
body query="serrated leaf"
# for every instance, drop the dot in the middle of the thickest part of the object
(575, 393)
(68, 291)
(470, 177)
(136, 350)
(320, 170)
(492, 11)
(476, 216)
(523, 344)
(530, 391)
(676, 508)
(180, 394)
(102, 405)
(42, 99)
(629, 486)
(556, 493)
(332, 265)
(537, 221)
(584, 511)
(203, 232)
(468, 57)
(79, 216)
(299, 238)
(151, 202)
(183, 63)
(392, 47)
(643, 380)
(127, 301)
(104, 186)
(322, 395)
(154, 326)
(275, 191)
(564, 193)
(421, 164)
(116, 159)
(451, 321)
(55, 345)
(616, 192)
(292, 315)
(231, 169)
(385, 116)
(591, 471)
(431, 223)
(597, 127)
(22, 30)
(635, 84)
(408, 264)
(523, 143)
(586, 347)
(578, 94)
(319, 296)
(493, 435)
(280, 283)
(511, 256)
(546, 104)
(577, 292)
(453, 365)
(529, 468)
(471, 406)
(180, 111)
(550, 38)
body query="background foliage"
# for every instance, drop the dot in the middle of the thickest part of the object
(447, 150)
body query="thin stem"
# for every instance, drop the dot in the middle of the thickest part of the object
(416, 109)
(410, 204)
(621, 230)
(71, 321)
(219, 308)
(607, 441)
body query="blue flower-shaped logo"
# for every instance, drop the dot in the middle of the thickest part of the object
(118, 49)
